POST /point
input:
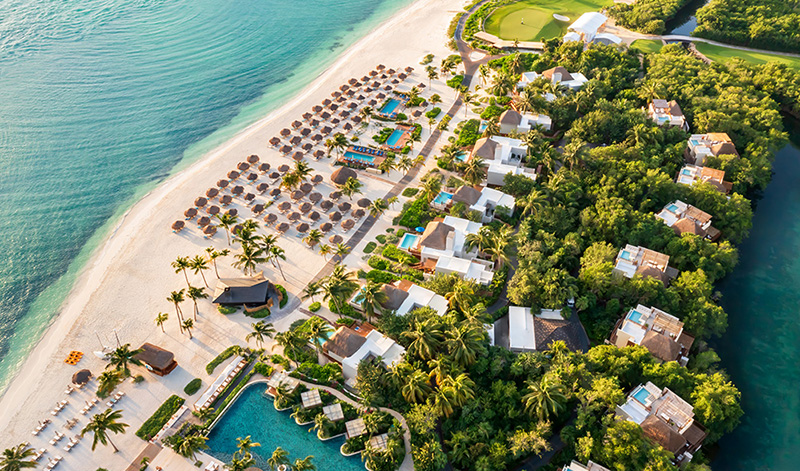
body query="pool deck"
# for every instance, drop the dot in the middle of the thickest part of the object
(402, 140)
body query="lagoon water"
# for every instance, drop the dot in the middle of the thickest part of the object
(102, 99)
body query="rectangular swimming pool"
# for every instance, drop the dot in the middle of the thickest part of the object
(625, 255)
(641, 395)
(635, 316)
(367, 159)
(394, 137)
(390, 106)
(443, 198)
(408, 241)
(672, 208)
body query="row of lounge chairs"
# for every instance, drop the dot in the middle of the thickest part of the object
(59, 407)
(43, 425)
(53, 463)
(115, 399)
(224, 384)
(89, 406)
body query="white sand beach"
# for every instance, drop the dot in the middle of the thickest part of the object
(129, 278)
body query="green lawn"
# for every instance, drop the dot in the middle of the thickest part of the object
(722, 54)
(532, 20)
(647, 45)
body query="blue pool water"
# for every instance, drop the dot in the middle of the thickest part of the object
(443, 198)
(672, 208)
(694, 142)
(394, 137)
(253, 414)
(390, 106)
(461, 156)
(625, 255)
(635, 316)
(363, 158)
(641, 395)
(408, 241)
(686, 171)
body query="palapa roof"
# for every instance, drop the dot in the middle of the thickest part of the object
(724, 148)
(510, 117)
(485, 148)
(344, 342)
(394, 297)
(565, 75)
(661, 346)
(467, 195)
(342, 174)
(548, 331)
(242, 290)
(156, 357)
(435, 235)
(652, 272)
(658, 431)
(660, 103)
(675, 108)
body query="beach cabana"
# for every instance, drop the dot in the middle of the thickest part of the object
(233, 175)
(177, 226)
(200, 202)
(344, 206)
(402, 76)
(336, 93)
(365, 78)
(342, 174)
(325, 227)
(156, 359)
(262, 187)
(380, 96)
(226, 200)
(81, 377)
(373, 73)
(388, 88)
(344, 114)
(380, 67)
(190, 213)
(409, 69)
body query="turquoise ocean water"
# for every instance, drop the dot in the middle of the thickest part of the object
(102, 99)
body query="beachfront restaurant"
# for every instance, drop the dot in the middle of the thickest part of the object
(156, 359)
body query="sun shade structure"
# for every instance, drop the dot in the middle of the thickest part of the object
(285, 132)
(247, 291)
(252, 159)
(378, 442)
(296, 124)
(316, 137)
(200, 202)
(258, 209)
(275, 192)
(226, 199)
(326, 205)
(210, 230)
(316, 108)
(242, 166)
(336, 239)
(178, 225)
(295, 140)
(285, 149)
(283, 168)
(213, 210)
(302, 228)
(319, 153)
(333, 412)
(344, 206)
(359, 213)
(275, 141)
(270, 218)
(305, 132)
(316, 179)
(311, 399)
(305, 207)
(190, 213)
(222, 183)
(249, 197)
(274, 175)
(335, 216)
(364, 203)
(335, 195)
(203, 221)
(294, 216)
(233, 175)
(342, 174)
(297, 195)
(263, 167)
(156, 359)
(315, 197)
(81, 377)
(232, 212)
(348, 224)
(237, 190)
(355, 428)
(285, 206)
(212, 192)
(298, 156)
(314, 216)
(307, 115)
(282, 227)
(326, 227)
(252, 177)
(262, 187)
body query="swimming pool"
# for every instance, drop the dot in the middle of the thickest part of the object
(694, 142)
(390, 106)
(641, 395)
(461, 156)
(673, 208)
(253, 414)
(394, 137)
(408, 241)
(635, 316)
(625, 255)
(443, 198)
(367, 159)
(686, 171)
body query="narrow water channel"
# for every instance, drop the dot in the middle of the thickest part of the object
(761, 349)
(685, 21)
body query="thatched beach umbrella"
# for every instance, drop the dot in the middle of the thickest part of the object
(316, 137)
(282, 227)
(262, 187)
(388, 88)
(342, 174)
(237, 190)
(283, 168)
(344, 87)
(307, 146)
(274, 141)
(358, 213)
(421, 85)
(81, 377)
(316, 108)
(336, 93)
(222, 183)
(200, 202)
(409, 69)
(376, 84)
(314, 216)
(295, 140)
(348, 224)
(333, 107)
(213, 210)
(263, 167)
(380, 96)
(302, 228)
(326, 102)
(305, 207)
(391, 71)
(380, 67)
(258, 209)
(344, 113)
(336, 239)
(364, 78)
(335, 216)
(285, 132)
(210, 230)
(352, 81)
(296, 124)
(326, 130)
(285, 150)
(233, 175)
(298, 156)
(252, 159)
(395, 81)
(373, 73)
(402, 76)
(325, 115)
(348, 126)
(306, 187)
(335, 195)
(341, 99)
(344, 206)
(316, 179)
(249, 197)
(335, 121)
(351, 92)
(305, 132)
(236, 229)
(307, 115)
(364, 203)
(352, 105)
(326, 205)
(252, 177)
(384, 76)
(325, 227)
(178, 225)
(274, 175)
(285, 206)
(204, 221)
(315, 197)
(243, 166)
(294, 216)
(226, 200)
(232, 212)
(271, 218)
(297, 195)
(368, 89)
(314, 123)
(190, 213)
(275, 192)
(357, 119)
(318, 154)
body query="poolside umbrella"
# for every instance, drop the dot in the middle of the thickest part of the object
(325, 226)
(200, 202)
(258, 209)
(232, 212)
(270, 218)
(305, 207)
(275, 192)
(294, 216)
(395, 81)
(295, 140)
(307, 115)
(314, 216)
(274, 175)
(298, 156)
(314, 123)
(307, 146)
(282, 227)
(315, 197)
(252, 177)
(348, 224)
(283, 168)
(305, 132)
(326, 102)
(297, 195)
(285, 149)
(352, 81)
(380, 96)
(263, 168)
(380, 67)
(178, 225)
(237, 190)
(326, 130)
(249, 197)
(334, 107)
(335, 195)
(376, 84)
(344, 206)
(316, 179)
(344, 87)
(344, 113)
(335, 216)
(226, 200)
(210, 230)
(252, 159)
(275, 141)
(81, 377)
(296, 124)
(190, 213)
(213, 210)
(306, 187)
(336, 239)
(285, 206)
(373, 73)
(326, 205)
(357, 119)
(319, 153)
(302, 227)
(317, 108)
(363, 203)
(348, 126)
(204, 221)
(325, 115)
(358, 213)
(316, 137)
(233, 175)
(222, 183)
(285, 132)
(409, 69)
(262, 187)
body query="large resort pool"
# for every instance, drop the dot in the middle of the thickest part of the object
(362, 156)
(390, 108)
(254, 414)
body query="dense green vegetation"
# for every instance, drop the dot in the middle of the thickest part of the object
(761, 24)
(152, 425)
(193, 386)
(646, 16)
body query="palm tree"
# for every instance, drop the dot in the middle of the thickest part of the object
(304, 465)
(213, 255)
(17, 458)
(492, 127)
(533, 202)
(329, 145)
(107, 381)
(339, 143)
(318, 330)
(250, 256)
(366, 114)
(321, 422)
(188, 325)
(194, 294)
(431, 188)
(464, 344)
(302, 170)
(199, 264)
(244, 446)
(121, 357)
(290, 181)
(462, 388)
(483, 72)
(502, 83)
(261, 330)
(573, 152)
(189, 445)
(276, 254)
(461, 295)
(312, 289)
(651, 90)
(475, 170)
(240, 463)
(280, 457)
(447, 66)
(313, 237)
(103, 423)
(351, 187)
(544, 398)
(426, 338)
(432, 74)
(416, 387)
(292, 341)
(337, 285)
(176, 298)
(444, 402)
(227, 221)
(180, 265)
(468, 100)
(387, 165)
(377, 207)
(372, 298)
(325, 250)
(478, 240)
(500, 246)
(161, 318)
(341, 250)
(405, 163)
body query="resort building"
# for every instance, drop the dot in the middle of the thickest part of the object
(484, 200)
(686, 219)
(403, 296)
(667, 113)
(513, 121)
(587, 28)
(666, 419)
(633, 260)
(349, 348)
(156, 359)
(691, 174)
(521, 331)
(660, 333)
(558, 75)
(503, 156)
(714, 144)
(442, 249)
(590, 466)
(251, 293)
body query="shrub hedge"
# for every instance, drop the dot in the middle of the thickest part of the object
(224, 355)
(152, 425)
(193, 386)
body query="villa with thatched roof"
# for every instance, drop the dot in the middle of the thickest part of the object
(686, 219)
(667, 113)
(156, 359)
(660, 333)
(484, 200)
(253, 293)
(502, 155)
(442, 248)
(513, 121)
(692, 174)
(349, 348)
(557, 75)
(702, 146)
(521, 331)
(340, 176)
(666, 419)
(634, 260)
(404, 296)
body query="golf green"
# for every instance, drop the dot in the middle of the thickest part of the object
(532, 20)
(722, 54)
